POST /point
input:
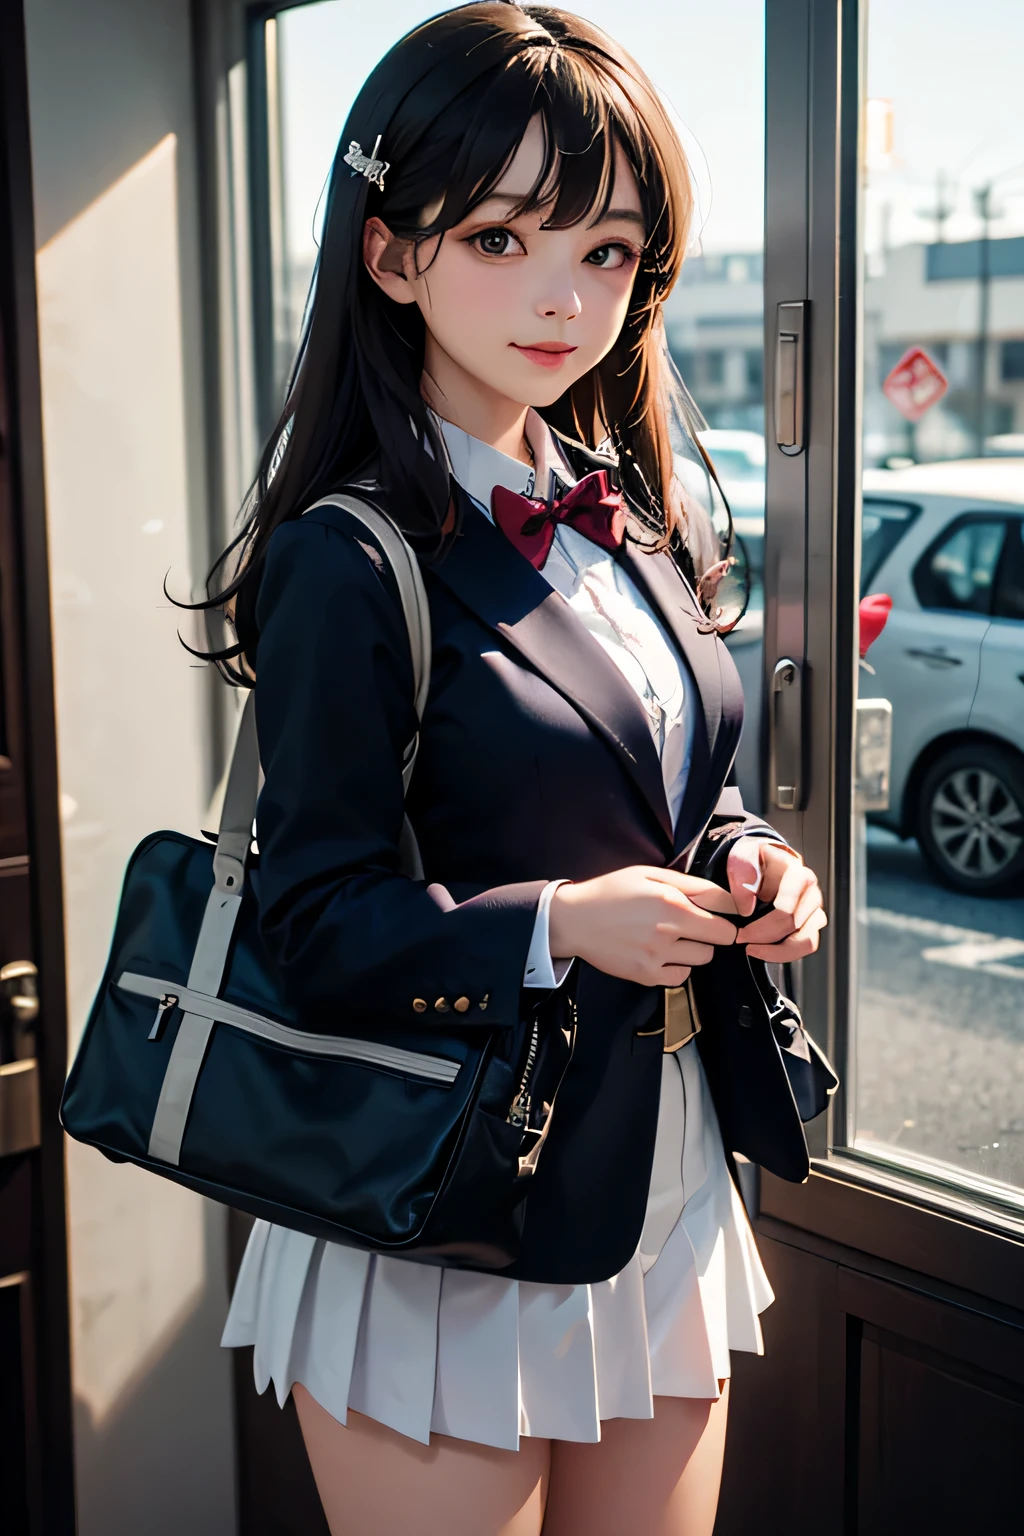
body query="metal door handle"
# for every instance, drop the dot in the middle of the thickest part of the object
(786, 735)
(19, 993)
(19, 1107)
(940, 656)
(19, 1078)
(790, 349)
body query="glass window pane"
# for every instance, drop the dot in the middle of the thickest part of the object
(937, 1069)
(959, 572)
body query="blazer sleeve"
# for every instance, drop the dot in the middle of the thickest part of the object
(334, 711)
(729, 822)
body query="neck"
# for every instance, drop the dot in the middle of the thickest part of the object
(467, 403)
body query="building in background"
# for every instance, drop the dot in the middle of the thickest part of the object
(924, 295)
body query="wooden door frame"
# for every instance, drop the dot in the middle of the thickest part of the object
(22, 467)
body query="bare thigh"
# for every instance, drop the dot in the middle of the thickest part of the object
(374, 1482)
(660, 1476)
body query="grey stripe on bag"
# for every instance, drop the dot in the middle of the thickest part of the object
(179, 1085)
(235, 835)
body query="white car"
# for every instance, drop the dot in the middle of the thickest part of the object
(946, 542)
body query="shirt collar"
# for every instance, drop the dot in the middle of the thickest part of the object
(478, 467)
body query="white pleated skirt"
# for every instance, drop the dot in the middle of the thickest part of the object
(482, 1358)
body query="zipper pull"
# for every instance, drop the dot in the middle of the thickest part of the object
(167, 1002)
(519, 1114)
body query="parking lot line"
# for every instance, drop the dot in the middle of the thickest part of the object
(966, 948)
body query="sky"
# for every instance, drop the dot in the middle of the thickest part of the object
(329, 48)
(954, 76)
(957, 93)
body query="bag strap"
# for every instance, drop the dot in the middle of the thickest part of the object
(413, 595)
(234, 839)
(234, 834)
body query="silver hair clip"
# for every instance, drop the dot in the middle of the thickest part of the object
(367, 165)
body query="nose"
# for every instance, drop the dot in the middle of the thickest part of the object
(559, 300)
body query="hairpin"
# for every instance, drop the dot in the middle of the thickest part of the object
(367, 165)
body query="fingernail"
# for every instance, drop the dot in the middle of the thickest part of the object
(756, 886)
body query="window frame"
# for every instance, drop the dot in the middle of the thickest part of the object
(872, 498)
(1015, 533)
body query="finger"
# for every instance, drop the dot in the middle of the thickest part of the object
(686, 953)
(791, 887)
(809, 902)
(714, 899)
(703, 893)
(673, 975)
(769, 929)
(682, 920)
(706, 929)
(800, 944)
(743, 868)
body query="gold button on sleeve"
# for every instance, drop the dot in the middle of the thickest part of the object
(461, 1004)
(442, 1005)
(419, 1004)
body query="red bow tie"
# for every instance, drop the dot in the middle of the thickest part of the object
(591, 507)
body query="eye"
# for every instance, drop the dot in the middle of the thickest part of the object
(610, 256)
(498, 241)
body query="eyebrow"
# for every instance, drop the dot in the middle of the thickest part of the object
(630, 215)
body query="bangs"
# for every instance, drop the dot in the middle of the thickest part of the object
(587, 113)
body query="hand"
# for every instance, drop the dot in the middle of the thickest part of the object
(643, 924)
(757, 868)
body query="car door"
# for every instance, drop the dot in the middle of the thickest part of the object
(927, 659)
(1001, 675)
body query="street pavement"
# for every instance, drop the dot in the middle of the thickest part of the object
(940, 1030)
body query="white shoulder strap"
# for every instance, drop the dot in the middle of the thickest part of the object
(406, 570)
(241, 784)
(234, 839)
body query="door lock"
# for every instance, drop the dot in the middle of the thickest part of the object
(786, 733)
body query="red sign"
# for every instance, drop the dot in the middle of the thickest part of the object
(915, 384)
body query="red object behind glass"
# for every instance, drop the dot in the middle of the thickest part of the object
(873, 612)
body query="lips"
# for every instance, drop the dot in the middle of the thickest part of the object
(546, 354)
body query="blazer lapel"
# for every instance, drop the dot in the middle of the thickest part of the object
(718, 721)
(502, 588)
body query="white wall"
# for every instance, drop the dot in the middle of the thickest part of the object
(118, 262)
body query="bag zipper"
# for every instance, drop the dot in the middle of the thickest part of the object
(436, 1069)
(520, 1110)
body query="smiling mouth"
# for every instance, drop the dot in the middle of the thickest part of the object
(548, 354)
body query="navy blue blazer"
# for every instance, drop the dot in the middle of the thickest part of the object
(536, 762)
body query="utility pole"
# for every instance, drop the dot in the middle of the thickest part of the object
(986, 212)
(944, 206)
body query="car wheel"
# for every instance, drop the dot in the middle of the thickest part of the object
(970, 818)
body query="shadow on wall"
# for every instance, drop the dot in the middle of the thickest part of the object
(112, 99)
(121, 1449)
(108, 80)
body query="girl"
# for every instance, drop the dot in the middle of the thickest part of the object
(484, 356)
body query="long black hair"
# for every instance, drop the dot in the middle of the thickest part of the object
(451, 102)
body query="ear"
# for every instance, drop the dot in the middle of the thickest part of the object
(386, 259)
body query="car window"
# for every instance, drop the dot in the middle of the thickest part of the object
(734, 464)
(1009, 603)
(883, 524)
(959, 570)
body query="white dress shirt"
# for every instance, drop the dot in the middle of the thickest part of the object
(605, 599)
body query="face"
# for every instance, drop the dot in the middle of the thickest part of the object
(520, 310)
